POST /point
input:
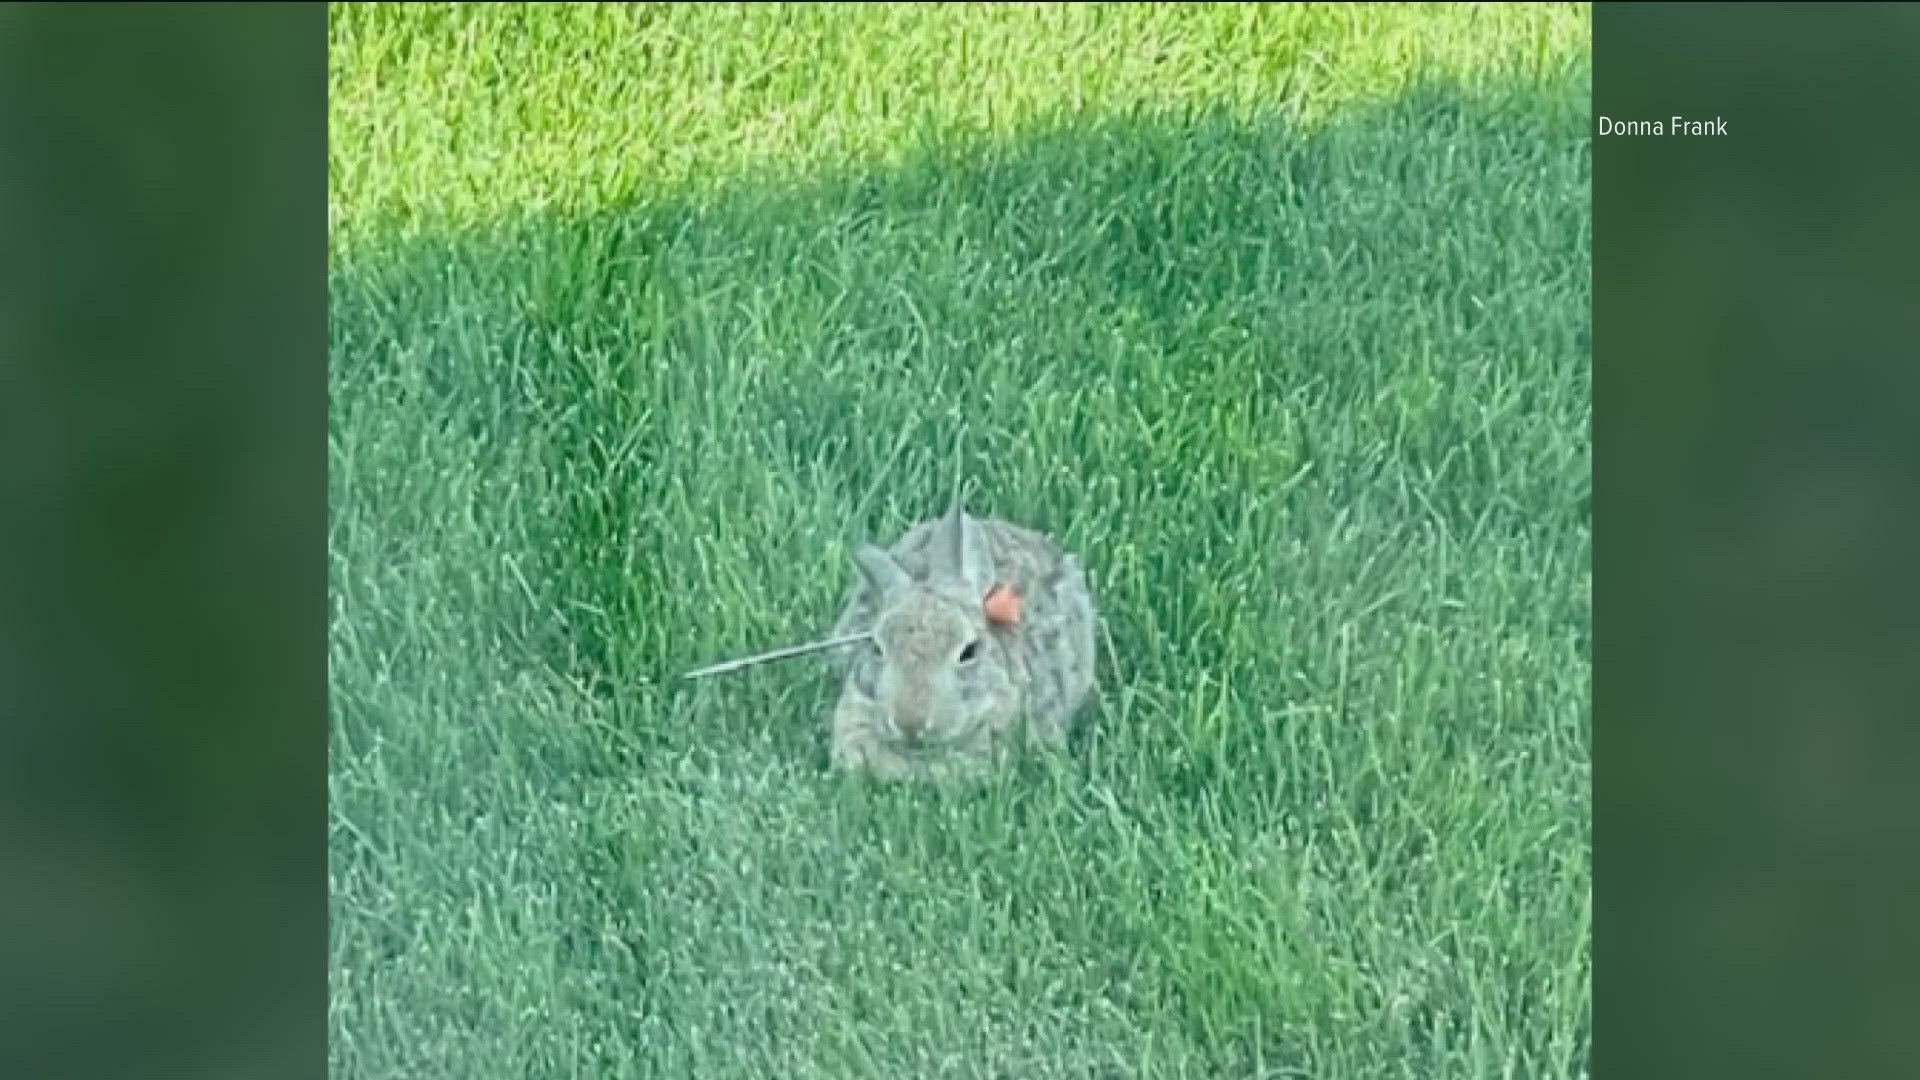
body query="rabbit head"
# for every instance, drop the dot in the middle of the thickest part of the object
(936, 674)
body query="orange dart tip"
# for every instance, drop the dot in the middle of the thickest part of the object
(1002, 605)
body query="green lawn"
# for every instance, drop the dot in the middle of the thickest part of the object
(643, 315)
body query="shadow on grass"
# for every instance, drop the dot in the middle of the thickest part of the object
(1167, 269)
(1284, 390)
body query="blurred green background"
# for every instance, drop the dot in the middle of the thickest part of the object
(1755, 476)
(162, 541)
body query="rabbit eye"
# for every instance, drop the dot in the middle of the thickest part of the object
(969, 651)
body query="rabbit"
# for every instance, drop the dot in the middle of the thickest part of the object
(981, 643)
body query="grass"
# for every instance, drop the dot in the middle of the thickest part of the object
(641, 316)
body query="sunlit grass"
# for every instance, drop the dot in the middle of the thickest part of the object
(457, 114)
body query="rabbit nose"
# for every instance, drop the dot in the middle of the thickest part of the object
(909, 725)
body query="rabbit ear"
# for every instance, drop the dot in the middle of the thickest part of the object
(961, 551)
(880, 570)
